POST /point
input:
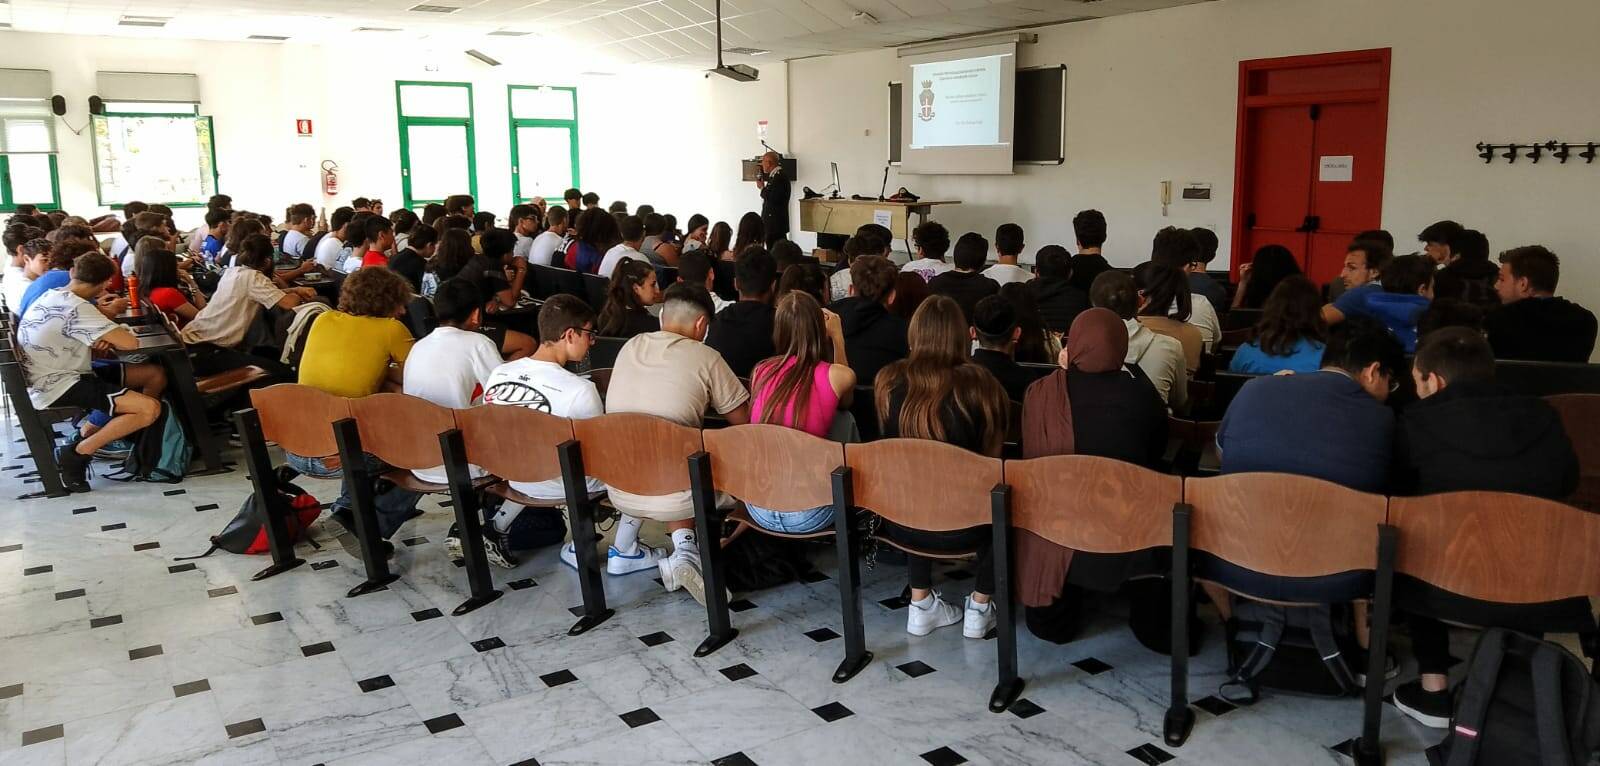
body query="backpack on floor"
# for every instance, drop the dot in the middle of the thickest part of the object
(161, 452)
(247, 532)
(757, 562)
(1294, 649)
(1523, 701)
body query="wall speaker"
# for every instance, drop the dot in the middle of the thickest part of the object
(96, 106)
(58, 105)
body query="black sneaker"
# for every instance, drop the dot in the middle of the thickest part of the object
(74, 467)
(1431, 709)
(494, 546)
(1357, 659)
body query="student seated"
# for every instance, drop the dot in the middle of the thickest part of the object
(742, 332)
(1258, 278)
(630, 295)
(1089, 228)
(1160, 357)
(751, 231)
(1364, 260)
(1060, 301)
(379, 236)
(956, 402)
(1331, 424)
(218, 222)
(695, 268)
(1407, 289)
(1532, 323)
(357, 351)
(801, 388)
(854, 247)
(1162, 286)
(1008, 244)
(1175, 249)
(30, 260)
(301, 219)
(62, 256)
(806, 277)
(412, 259)
(1466, 433)
(631, 232)
(966, 283)
(1201, 283)
(542, 251)
(327, 253)
(1469, 276)
(1097, 404)
(671, 374)
(1436, 240)
(994, 328)
(1036, 344)
(873, 335)
(170, 288)
(931, 240)
(217, 331)
(658, 244)
(1290, 334)
(59, 336)
(499, 278)
(596, 234)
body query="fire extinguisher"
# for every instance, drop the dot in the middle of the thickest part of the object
(330, 177)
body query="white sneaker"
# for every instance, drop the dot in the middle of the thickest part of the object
(920, 620)
(569, 555)
(643, 559)
(686, 574)
(979, 619)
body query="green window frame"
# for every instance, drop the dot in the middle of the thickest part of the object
(208, 134)
(518, 194)
(8, 205)
(406, 123)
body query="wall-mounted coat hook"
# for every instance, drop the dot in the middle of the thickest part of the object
(1588, 156)
(1486, 151)
(1536, 150)
(1511, 153)
(1561, 151)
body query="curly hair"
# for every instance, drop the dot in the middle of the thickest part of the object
(374, 292)
(64, 253)
(1292, 312)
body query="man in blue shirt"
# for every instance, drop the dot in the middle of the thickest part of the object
(1363, 262)
(61, 257)
(217, 221)
(1407, 283)
(1331, 424)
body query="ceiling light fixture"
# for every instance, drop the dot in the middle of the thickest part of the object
(274, 38)
(434, 8)
(144, 21)
(375, 29)
(484, 57)
(508, 33)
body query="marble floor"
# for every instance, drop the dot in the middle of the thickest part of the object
(111, 652)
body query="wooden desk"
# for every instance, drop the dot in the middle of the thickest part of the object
(843, 216)
(159, 344)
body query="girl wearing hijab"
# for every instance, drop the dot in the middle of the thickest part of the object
(1094, 405)
(938, 393)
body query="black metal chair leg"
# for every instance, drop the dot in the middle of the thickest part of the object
(358, 483)
(1368, 750)
(713, 566)
(584, 539)
(1009, 686)
(856, 656)
(469, 520)
(1179, 720)
(42, 445)
(263, 482)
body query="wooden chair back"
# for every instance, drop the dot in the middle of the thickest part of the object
(923, 484)
(1498, 547)
(300, 418)
(1283, 525)
(1580, 416)
(636, 453)
(776, 468)
(401, 430)
(1093, 504)
(514, 443)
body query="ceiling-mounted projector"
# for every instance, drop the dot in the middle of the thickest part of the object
(737, 72)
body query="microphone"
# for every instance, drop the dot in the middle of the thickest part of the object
(885, 186)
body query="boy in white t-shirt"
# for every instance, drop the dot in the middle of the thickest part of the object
(1007, 249)
(931, 240)
(542, 383)
(450, 367)
(550, 241)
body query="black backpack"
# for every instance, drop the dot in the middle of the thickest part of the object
(1523, 701)
(1296, 649)
(246, 532)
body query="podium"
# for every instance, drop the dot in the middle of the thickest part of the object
(843, 216)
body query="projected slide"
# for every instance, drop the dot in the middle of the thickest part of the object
(956, 103)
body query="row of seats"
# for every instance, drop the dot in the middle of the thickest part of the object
(1487, 546)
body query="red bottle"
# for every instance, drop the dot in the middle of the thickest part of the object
(134, 306)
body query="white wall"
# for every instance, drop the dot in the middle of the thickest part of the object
(669, 137)
(1152, 96)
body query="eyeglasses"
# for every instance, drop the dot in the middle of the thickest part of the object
(587, 331)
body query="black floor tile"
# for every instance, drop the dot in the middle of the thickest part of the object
(733, 759)
(1214, 705)
(656, 639)
(528, 762)
(226, 590)
(443, 723)
(69, 594)
(321, 565)
(263, 619)
(1150, 755)
(206, 507)
(176, 568)
(7, 692)
(636, 718)
(897, 602)
(375, 683)
(558, 678)
(175, 492)
(17, 546)
(915, 668)
(321, 647)
(38, 570)
(104, 622)
(146, 546)
(245, 728)
(488, 644)
(412, 542)
(523, 584)
(43, 735)
(821, 634)
(142, 652)
(1091, 666)
(113, 527)
(832, 711)
(577, 611)
(1025, 708)
(86, 509)
(426, 614)
(738, 672)
(192, 687)
(944, 756)
(741, 605)
(1346, 748)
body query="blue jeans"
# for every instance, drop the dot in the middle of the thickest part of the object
(793, 522)
(394, 505)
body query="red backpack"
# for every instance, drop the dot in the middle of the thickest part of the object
(247, 531)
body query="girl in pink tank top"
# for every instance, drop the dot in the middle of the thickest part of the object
(820, 403)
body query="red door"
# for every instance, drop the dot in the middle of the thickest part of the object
(1309, 171)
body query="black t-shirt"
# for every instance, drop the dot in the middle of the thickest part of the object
(409, 264)
(486, 275)
(873, 337)
(1012, 377)
(1541, 329)
(1059, 303)
(966, 287)
(742, 334)
(637, 322)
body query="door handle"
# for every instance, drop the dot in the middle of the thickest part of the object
(1249, 220)
(1311, 224)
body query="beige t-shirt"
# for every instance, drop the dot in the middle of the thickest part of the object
(676, 378)
(241, 293)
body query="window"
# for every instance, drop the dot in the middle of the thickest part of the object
(27, 141)
(544, 141)
(437, 158)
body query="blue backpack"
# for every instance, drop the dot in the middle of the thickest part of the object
(161, 452)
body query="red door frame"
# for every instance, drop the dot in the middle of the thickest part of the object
(1381, 56)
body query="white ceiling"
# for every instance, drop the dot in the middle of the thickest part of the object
(676, 32)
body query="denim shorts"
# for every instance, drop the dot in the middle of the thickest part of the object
(793, 522)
